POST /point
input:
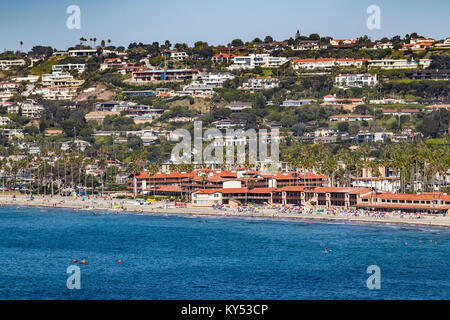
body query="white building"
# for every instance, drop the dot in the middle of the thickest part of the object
(355, 80)
(48, 78)
(175, 55)
(49, 93)
(60, 68)
(6, 64)
(197, 89)
(29, 78)
(350, 117)
(80, 144)
(29, 108)
(7, 90)
(254, 60)
(82, 53)
(215, 79)
(237, 106)
(326, 63)
(260, 84)
(398, 64)
(4, 121)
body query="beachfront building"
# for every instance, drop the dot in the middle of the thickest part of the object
(406, 202)
(355, 80)
(327, 197)
(164, 75)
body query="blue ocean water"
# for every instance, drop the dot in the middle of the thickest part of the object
(215, 258)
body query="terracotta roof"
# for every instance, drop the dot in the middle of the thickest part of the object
(233, 190)
(207, 191)
(292, 188)
(341, 190)
(261, 190)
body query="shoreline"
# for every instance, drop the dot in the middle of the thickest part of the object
(115, 205)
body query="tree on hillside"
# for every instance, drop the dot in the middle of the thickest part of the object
(268, 39)
(237, 43)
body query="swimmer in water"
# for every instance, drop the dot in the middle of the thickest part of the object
(326, 251)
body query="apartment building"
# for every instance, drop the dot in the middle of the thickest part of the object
(254, 60)
(399, 64)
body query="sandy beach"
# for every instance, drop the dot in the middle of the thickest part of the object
(127, 205)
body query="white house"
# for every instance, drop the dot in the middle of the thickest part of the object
(239, 105)
(6, 64)
(4, 121)
(29, 108)
(175, 55)
(82, 53)
(355, 80)
(60, 68)
(260, 83)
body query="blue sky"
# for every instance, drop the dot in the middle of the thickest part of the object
(217, 22)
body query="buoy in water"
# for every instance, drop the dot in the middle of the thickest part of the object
(406, 243)
(309, 222)
(119, 261)
(75, 260)
(83, 261)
